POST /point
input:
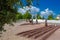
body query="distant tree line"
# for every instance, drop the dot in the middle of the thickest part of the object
(28, 15)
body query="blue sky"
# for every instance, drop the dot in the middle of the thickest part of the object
(45, 7)
(53, 5)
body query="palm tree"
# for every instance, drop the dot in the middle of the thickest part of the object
(46, 22)
(36, 19)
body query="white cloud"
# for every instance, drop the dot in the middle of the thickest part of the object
(46, 12)
(21, 10)
(33, 9)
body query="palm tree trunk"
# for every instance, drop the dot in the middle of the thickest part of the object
(36, 21)
(46, 22)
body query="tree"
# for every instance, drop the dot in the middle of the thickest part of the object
(8, 9)
(46, 22)
(33, 17)
(19, 16)
(50, 17)
(7, 12)
(27, 15)
(43, 17)
(38, 16)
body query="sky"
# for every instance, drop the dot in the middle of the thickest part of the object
(53, 5)
(45, 7)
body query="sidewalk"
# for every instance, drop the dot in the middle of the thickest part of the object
(55, 35)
